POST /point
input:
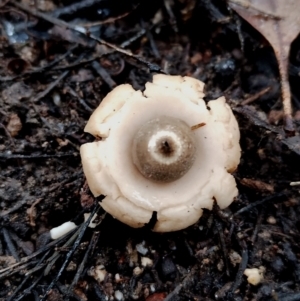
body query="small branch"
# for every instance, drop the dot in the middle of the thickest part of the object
(10, 246)
(254, 97)
(260, 202)
(70, 253)
(81, 30)
(239, 276)
(35, 156)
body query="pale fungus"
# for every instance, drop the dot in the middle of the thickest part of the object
(254, 275)
(162, 150)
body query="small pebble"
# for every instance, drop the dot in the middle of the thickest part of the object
(235, 258)
(168, 268)
(271, 220)
(56, 99)
(117, 278)
(152, 287)
(141, 249)
(145, 261)
(255, 276)
(119, 296)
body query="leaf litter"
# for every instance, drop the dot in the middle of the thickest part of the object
(279, 22)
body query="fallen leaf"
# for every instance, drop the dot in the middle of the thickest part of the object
(279, 22)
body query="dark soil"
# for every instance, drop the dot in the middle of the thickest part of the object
(52, 78)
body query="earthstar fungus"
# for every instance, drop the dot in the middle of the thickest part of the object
(162, 150)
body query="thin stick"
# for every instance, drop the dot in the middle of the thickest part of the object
(81, 267)
(33, 255)
(254, 204)
(70, 253)
(61, 23)
(239, 276)
(10, 244)
(36, 156)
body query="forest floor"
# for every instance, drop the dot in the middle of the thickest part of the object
(52, 78)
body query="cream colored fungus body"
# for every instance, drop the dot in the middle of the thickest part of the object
(130, 196)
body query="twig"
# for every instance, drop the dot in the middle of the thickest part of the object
(81, 30)
(17, 206)
(252, 98)
(71, 252)
(41, 69)
(277, 196)
(57, 254)
(104, 74)
(138, 35)
(73, 8)
(27, 276)
(64, 290)
(81, 267)
(50, 87)
(25, 260)
(9, 244)
(152, 43)
(223, 245)
(109, 20)
(81, 100)
(13, 269)
(28, 290)
(239, 276)
(287, 297)
(36, 156)
(173, 21)
(181, 285)
(257, 227)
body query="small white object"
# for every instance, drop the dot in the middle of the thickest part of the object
(295, 183)
(119, 296)
(146, 262)
(56, 99)
(80, 29)
(152, 287)
(141, 249)
(271, 220)
(254, 275)
(61, 230)
(118, 278)
(137, 271)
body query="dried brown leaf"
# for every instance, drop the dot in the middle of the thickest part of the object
(257, 185)
(279, 22)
